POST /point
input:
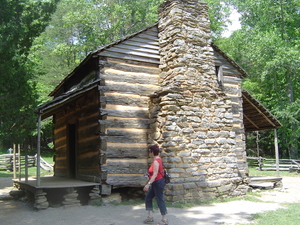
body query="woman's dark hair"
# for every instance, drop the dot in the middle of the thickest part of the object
(155, 149)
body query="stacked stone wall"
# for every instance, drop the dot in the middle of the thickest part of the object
(191, 115)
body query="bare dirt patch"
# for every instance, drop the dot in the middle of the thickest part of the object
(16, 212)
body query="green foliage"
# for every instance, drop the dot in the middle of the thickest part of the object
(219, 13)
(20, 22)
(42, 41)
(267, 47)
(79, 27)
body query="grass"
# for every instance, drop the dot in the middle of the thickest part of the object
(286, 216)
(255, 172)
(31, 170)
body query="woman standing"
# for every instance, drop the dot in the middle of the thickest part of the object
(155, 187)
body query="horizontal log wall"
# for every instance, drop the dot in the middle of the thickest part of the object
(84, 113)
(232, 86)
(129, 75)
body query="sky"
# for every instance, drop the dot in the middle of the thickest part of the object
(235, 24)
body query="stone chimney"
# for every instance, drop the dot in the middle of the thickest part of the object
(190, 115)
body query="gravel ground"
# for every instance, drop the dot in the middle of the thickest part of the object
(17, 213)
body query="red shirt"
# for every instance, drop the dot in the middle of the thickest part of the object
(160, 173)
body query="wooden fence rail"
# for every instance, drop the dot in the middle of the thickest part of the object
(7, 162)
(265, 164)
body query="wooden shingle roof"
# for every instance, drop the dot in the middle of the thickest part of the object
(256, 116)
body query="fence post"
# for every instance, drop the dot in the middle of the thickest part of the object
(19, 161)
(14, 162)
(260, 163)
(38, 172)
(276, 152)
(26, 165)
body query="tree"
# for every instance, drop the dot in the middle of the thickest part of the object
(79, 27)
(267, 46)
(20, 22)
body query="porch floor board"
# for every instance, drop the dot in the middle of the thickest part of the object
(54, 182)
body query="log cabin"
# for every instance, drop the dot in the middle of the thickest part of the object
(167, 84)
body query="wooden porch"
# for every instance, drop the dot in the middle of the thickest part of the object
(54, 182)
(57, 191)
(265, 182)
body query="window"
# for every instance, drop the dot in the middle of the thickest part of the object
(219, 74)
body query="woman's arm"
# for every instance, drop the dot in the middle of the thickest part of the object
(155, 173)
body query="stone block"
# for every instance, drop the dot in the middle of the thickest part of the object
(40, 206)
(212, 134)
(189, 185)
(40, 199)
(17, 194)
(210, 141)
(188, 130)
(231, 141)
(178, 180)
(71, 202)
(184, 153)
(105, 189)
(71, 195)
(169, 144)
(176, 187)
(208, 189)
(205, 160)
(203, 151)
(172, 118)
(174, 159)
(169, 134)
(213, 183)
(198, 141)
(114, 197)
(202, 184)
(188, 159)
(193, 119)
(226, 188)
(221, 141)
(193, 179)
(217, 159)
(177, 139)
(178, 198)
(176, 170)
(199, 173)
(184, 165)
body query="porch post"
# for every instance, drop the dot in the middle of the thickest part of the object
(276, 152)
(14, 162)
(19, 161)
(26, 165)
(38, 162)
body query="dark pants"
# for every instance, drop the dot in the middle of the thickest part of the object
(156, 190)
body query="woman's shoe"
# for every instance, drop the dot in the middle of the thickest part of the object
(163, 222)
(149, 220)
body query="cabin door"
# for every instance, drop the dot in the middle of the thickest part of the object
(72, 150)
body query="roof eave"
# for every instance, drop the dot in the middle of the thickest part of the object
(230, 60)
(95, 54)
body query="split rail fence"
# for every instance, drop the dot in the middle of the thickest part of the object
(7, 162)
(264, 164)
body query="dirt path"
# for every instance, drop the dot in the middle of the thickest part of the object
(17, 213)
